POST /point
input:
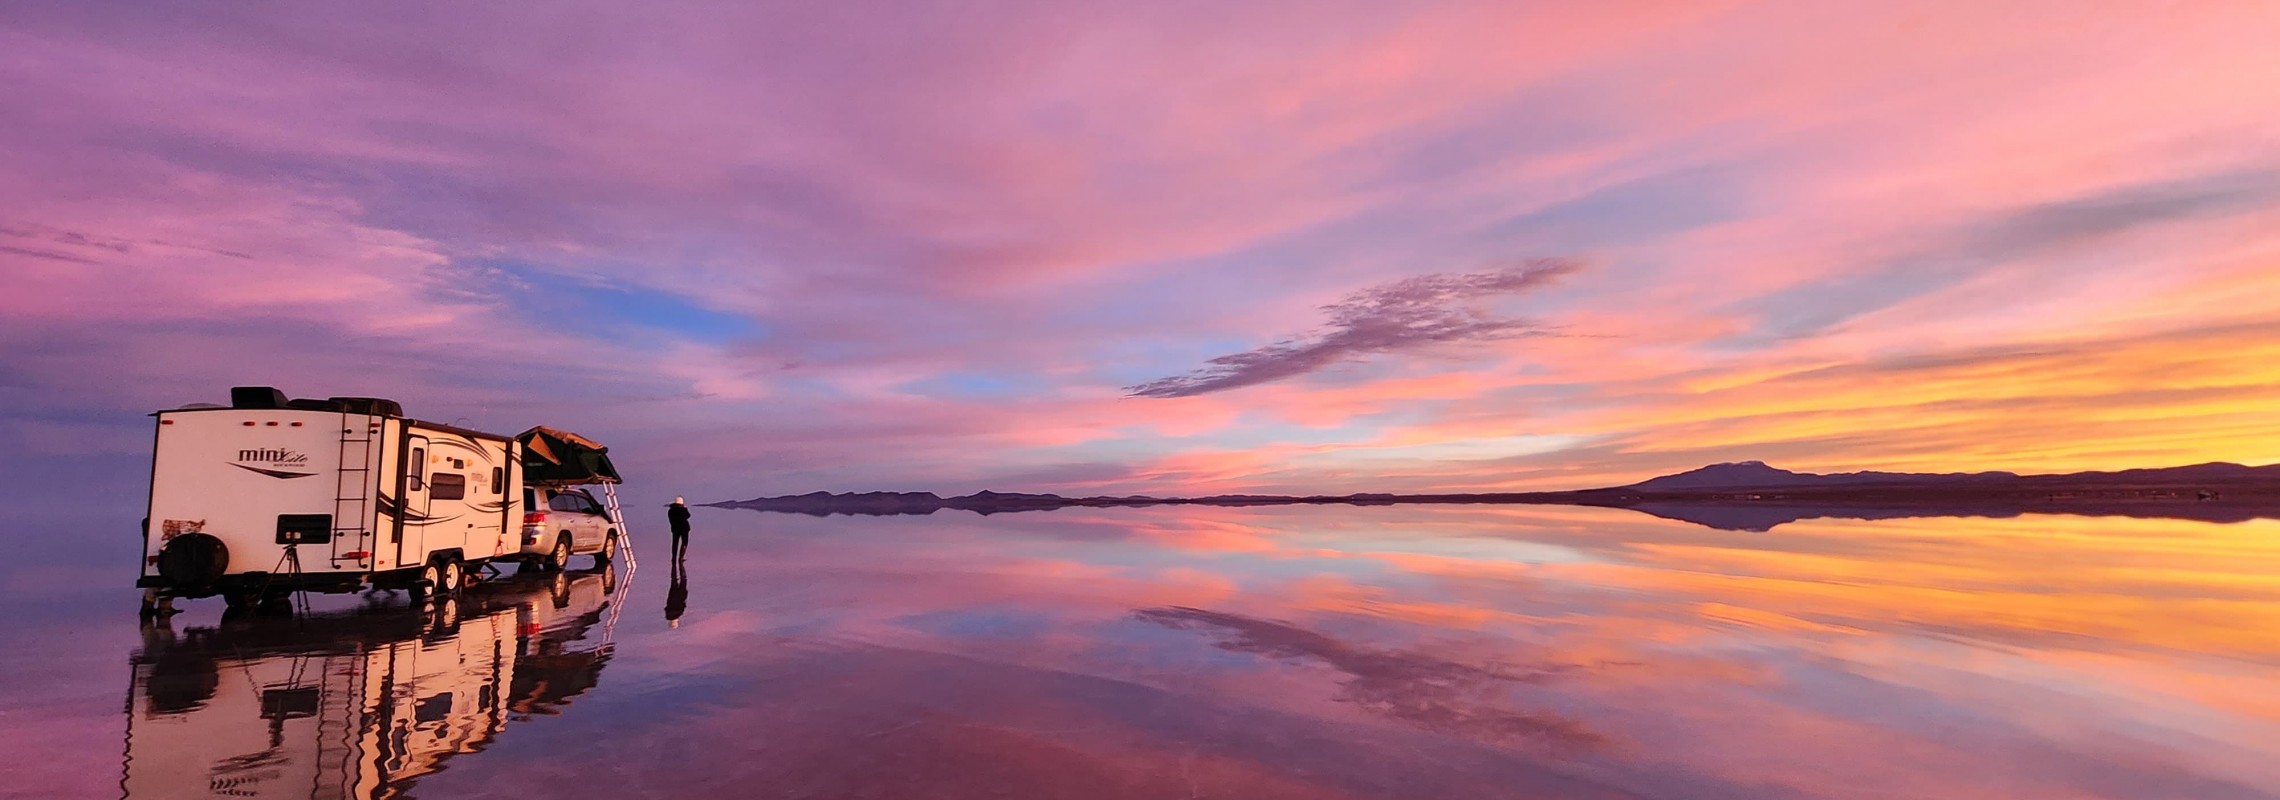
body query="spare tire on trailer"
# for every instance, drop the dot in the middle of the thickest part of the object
(193, 561)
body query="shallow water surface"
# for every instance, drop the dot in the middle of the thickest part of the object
(1315, 652)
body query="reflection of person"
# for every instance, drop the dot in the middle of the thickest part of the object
(677, 515)
(677, 595)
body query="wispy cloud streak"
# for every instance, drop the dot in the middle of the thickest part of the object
(1393, 317)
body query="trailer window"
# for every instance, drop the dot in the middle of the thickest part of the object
(498, 481)
(418, 468)
(447, 486)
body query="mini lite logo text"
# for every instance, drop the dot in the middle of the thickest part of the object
(274, 462)
(275, 457)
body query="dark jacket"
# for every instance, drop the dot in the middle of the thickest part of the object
(678, 515)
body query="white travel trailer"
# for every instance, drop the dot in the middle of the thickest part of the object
(357, 704)
(268, 496)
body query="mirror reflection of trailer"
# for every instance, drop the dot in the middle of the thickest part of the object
(267, 496)
(357, 704)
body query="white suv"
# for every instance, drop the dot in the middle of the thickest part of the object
(562, 521)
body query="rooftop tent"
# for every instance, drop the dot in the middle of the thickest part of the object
(552, 456)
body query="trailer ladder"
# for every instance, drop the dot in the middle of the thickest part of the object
(352, 485)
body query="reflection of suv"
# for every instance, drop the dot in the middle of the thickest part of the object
(562, 521)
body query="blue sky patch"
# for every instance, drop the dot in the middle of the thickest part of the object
(576, 303)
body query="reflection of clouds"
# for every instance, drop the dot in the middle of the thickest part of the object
(2098, 584)
(1430, 691)
(881, 721)
(2039, 656)
(2104, 584)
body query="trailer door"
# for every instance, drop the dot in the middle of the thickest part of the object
(414, 520)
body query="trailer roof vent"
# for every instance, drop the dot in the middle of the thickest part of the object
(256, 397)
(375, 406)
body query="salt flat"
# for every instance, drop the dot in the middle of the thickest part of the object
(1211, 652)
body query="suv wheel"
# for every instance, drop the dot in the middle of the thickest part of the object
(559, 559)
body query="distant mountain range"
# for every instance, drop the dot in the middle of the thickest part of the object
(1757, 475)
(1746, 495)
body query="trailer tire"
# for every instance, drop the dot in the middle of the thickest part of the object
(452, 576)
(429, 584)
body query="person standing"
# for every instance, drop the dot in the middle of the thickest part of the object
(677, 515)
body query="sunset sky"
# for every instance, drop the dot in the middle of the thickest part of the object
(1161, 247)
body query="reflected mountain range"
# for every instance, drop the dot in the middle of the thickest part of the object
(1740, 496)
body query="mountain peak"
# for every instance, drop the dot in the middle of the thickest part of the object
(1757, 475)
(1730, 474)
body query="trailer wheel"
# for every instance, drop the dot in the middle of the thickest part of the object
(559, 559)
(452, 574)
(430, 582)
